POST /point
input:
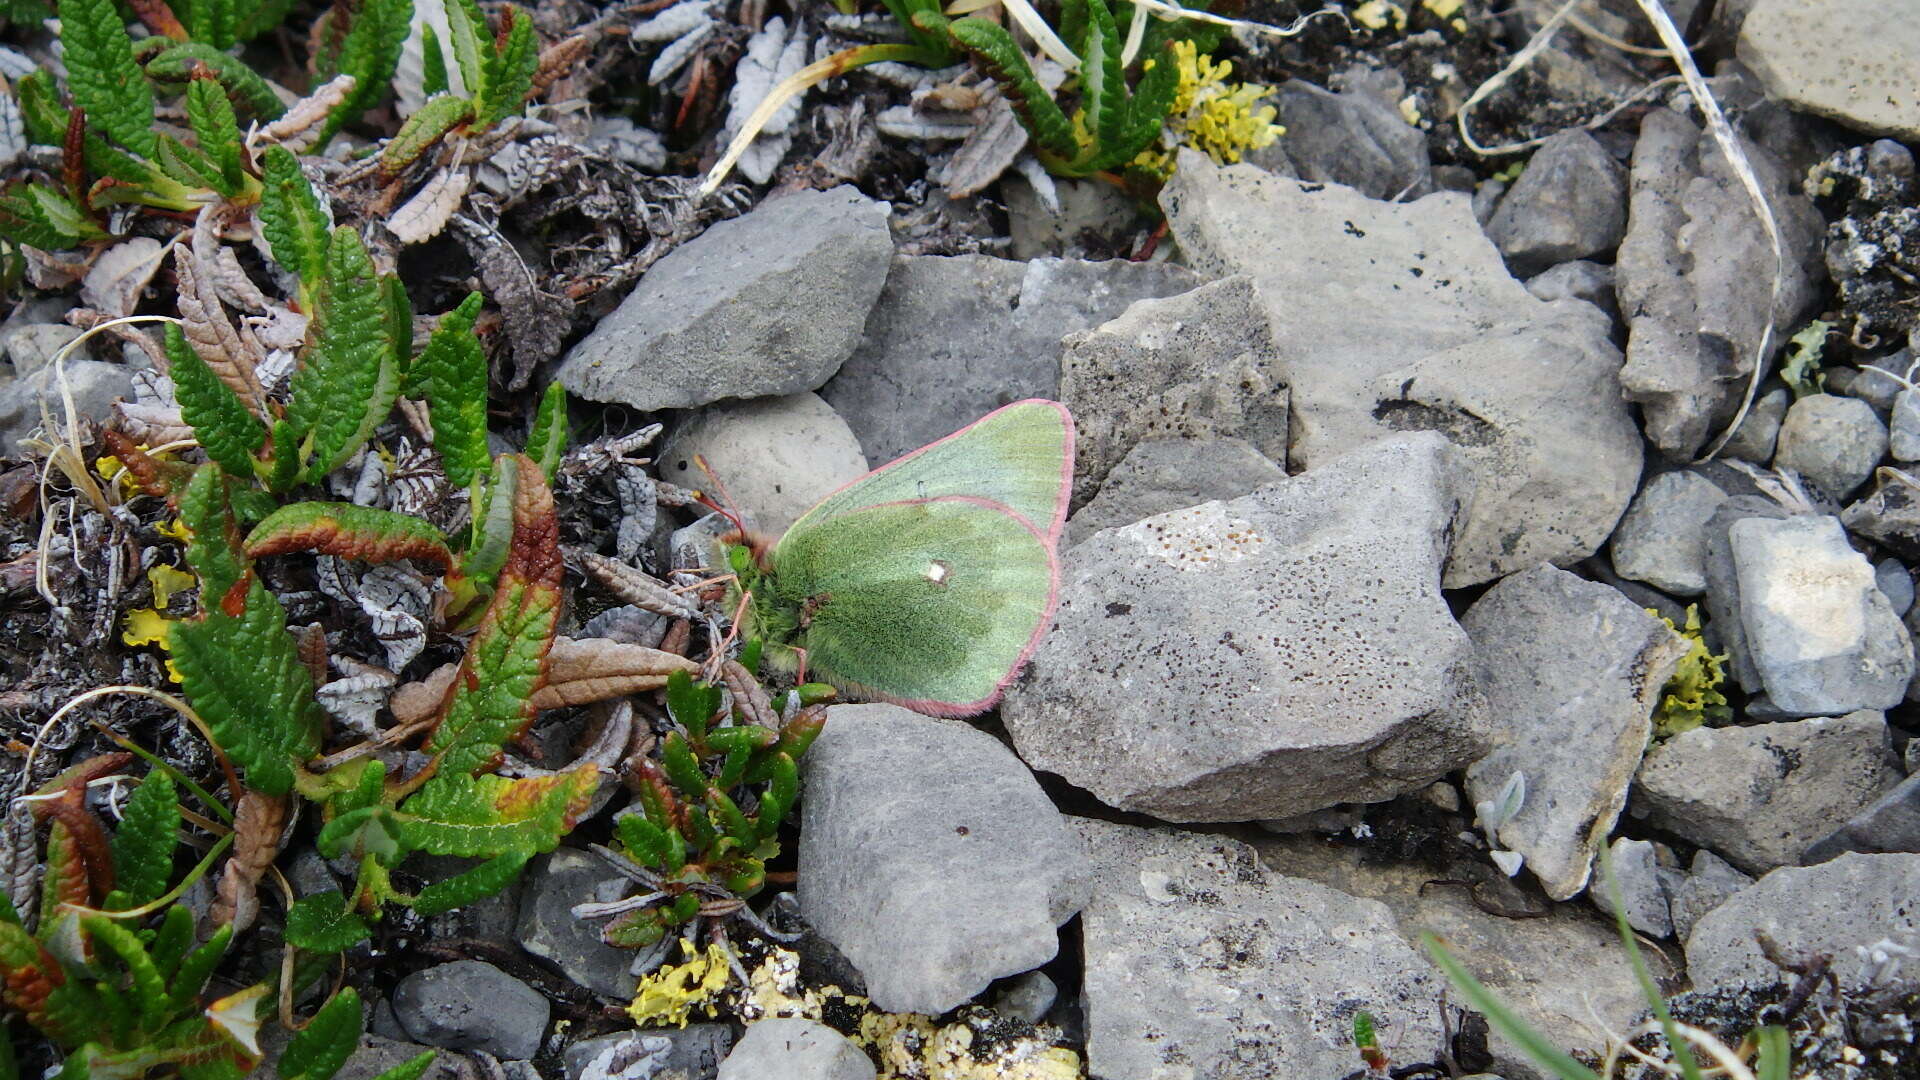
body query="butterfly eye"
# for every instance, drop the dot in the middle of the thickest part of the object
(937, 572)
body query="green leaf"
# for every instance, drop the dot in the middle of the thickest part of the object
(779, 797)
(1539, 1049)
(1103, 87)
(1776, 1053)
(45, 118)
(369, 53)
(148, 988)
(645, 842)
(348, 380)
(318, 1050)
(186, 165)
(171, 941)
(292, 218)
(369, 832)
(452, 376)
(213, 551)
(470, 885)
(493, 525)
(548, 439)
(491, 816)
(471, 40)
(323, 923)
(38, 216)
(422, 130)
(349, 532)
(411, 1069)
(691, 704)
(184, 989)
(211, 22)
(249, 92)
(682, 767)
(261, 18)
(211, 116)
(1003, 61)
(244, 677)
(286, 457)
(1152, 100)
(433, 78)
(101, 74)
(143, 844)
(227, 431)
(509, 71)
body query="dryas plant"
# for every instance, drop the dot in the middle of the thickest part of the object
(113, 974)
(496, 69)
(709, 811)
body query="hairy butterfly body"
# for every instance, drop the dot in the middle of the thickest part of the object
(928, 581)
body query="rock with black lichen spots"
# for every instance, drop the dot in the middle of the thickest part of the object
(1201, 962)
(1662, 540)
(1892, 823)
(1570, 203)
(1832, 442)
(1572, 670)
(1265, 656)
(1889, 514)
(1170, 474)
(1709, 881)
(795, 1050)
(1840, 909)
(1849, 62)
(1638, 886)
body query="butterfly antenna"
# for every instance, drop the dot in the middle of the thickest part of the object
(726, 507)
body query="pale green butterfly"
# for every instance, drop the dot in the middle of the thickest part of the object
(929, 581)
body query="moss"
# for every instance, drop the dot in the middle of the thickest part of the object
(1692, 697)
(1212, 114)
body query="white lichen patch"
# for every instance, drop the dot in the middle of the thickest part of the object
(1199, 536)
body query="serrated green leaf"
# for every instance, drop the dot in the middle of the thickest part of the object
(451, 374)
(249, 93)
(318, 1050)
(397, 307)
(1152, 100)
(779, 797)
(547, 441)
(349, 532)
(433, 63)
(493, 523)
(506, 660)
(38, 216)
(261, 18)
(183, 990)
(471, 40)
(292, 218)
(211, 116)
(491, 816)
(101, 74)
(42, 113)
(994, 48)
(411, 1069)
(172, 939)
(213, 549)
(323, 923)
(244, 677)
(186, 165)
(509, 71)
(348, 380)
(368, 832)
(369, 53)
(144, 842)
(682, 767)
(1103, 87)
(149, 990)
(227, 431)
(470, 885)
(437, 116)
(285, 469)
(211, 22)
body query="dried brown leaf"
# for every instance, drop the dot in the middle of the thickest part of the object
(121, 274)
(304, 120)
(204, 322)
(536, 321)
(598, 669)
(257, 823)
(634, 586)
(989, 150)
(418, 701)
(748, 695)
(421, 218)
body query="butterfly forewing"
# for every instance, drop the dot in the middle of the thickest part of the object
(932, 603)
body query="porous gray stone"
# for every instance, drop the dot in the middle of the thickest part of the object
(955, 337)
(776, 456)
(1838, 909)
(1759, 431)
(694, 1052)
(548, 929)
(1171, 474)
(471, 1005)
(1892, 823)
(1832, 442)
(1895, 583)
(1640, 891)
(32, 346)
(1570, 203)
(1089, 214)
(1759, 795)
(795, 1050)
(930, 857)
(1685, 274)
(94, 386)
(1201, 962)
(1577, 280)
(1027, 997)
(1397, 317)
(1723, 586)
(1848, 62)
(1821, 636)
(1572, 670)
(1306, 615)
(765, 304)
(1352, 135)
(1709, 881)
(376, 1054)
(1199, 365)
(1903, 440)
(1662, 539)
(1889, 514)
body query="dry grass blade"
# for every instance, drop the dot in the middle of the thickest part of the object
(580, 672)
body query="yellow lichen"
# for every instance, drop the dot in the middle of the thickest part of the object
(1379, 14)
(1410, 110)
(175, 530)
(166, 581)
(147, 626)
(672, 994)
(1692, 695)
(1446, 9)
(1211, 114)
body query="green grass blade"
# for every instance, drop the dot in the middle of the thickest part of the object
(1504, 1020)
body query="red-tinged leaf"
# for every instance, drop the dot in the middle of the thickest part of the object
(66, 880)
(489, 816)
(350, 532)
(506, 663)
(28, 974)
(580, 672)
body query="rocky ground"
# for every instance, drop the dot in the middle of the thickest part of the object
(1398, 477)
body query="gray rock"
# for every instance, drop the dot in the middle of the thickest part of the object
(1637, 881)
(1685, 273)
(1662, 540)
(1199, 365)
(1572, 670)
(1896, 584)
(1090, 215)
(94, 386)
(1570, 203)
(776, 456)
(1724, 626)
(694, 1052)
(1709, 881)
(1821, 636)
(471, 1005)
(765, 304)
(1578, 280)
(930, 857)
(548, 929)
(1355, 136)
(1832, 442)
(1892, 823)
(1759, 431)
(1201, 962)
(1028, 997)
(954, 338)
(32, 346)
(489, 918)
(1309, 616)
(1904, 439)
(1759, 795)
(1172, 474)
(1527, 959)
(1839, 908)
(1839, 60)
(1398, 317)
(1865, 382)
(795, 1050)
(376, 1054)
(1889, 515)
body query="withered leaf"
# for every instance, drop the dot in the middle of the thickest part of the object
(257, 823)
(599, 669)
